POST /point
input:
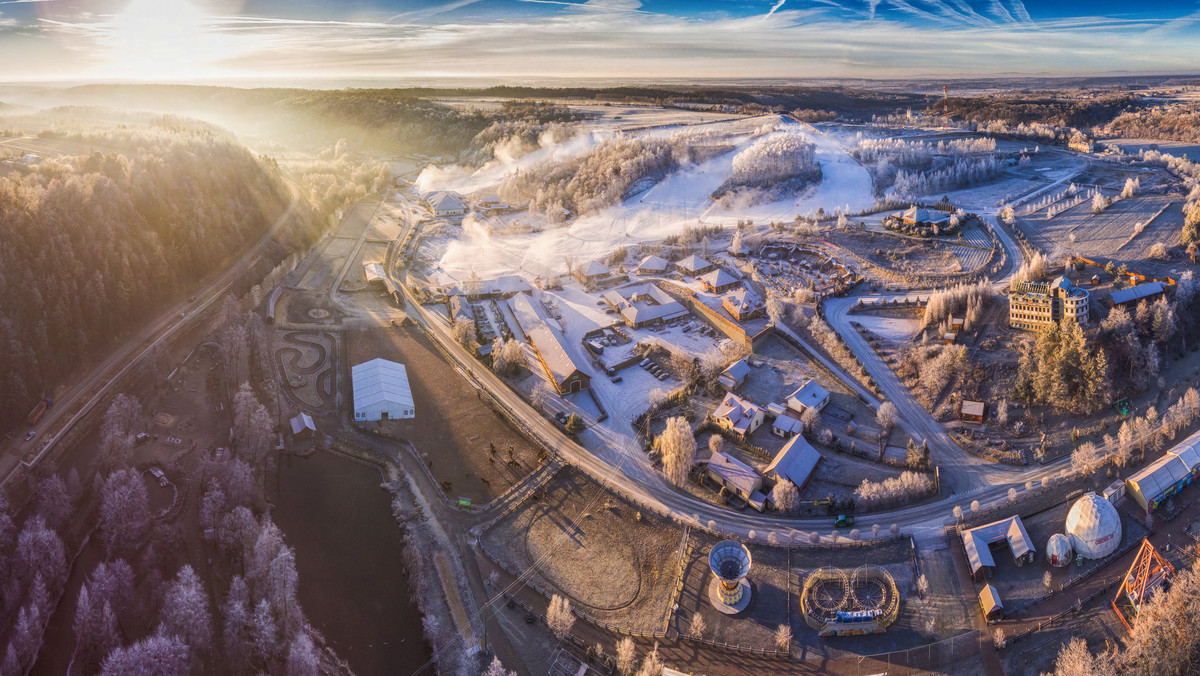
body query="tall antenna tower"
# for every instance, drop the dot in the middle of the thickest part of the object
(946, 104)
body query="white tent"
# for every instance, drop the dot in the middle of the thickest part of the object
(381, 391)
(1058, 550)
(1094, 526)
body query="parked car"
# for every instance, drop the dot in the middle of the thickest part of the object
(32, 434)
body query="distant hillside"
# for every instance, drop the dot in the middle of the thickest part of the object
(1052, 109)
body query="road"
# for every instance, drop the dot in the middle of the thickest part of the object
(132, 351)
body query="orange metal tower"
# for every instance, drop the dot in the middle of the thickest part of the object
(1148, 572)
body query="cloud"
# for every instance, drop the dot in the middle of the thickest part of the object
(776, 7)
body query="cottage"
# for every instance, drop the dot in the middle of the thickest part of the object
(809, 395)
(644, 304)
(744, 304)
(652, 265)
(795, 462)
(445, 203)
(591, 272)
(719, 281)
(786, 424)
(972, 410)
(739, 478)
(735, 375)
(564, 372)
(694, 266)
(739, 416)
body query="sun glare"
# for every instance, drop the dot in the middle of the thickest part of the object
(155, 39)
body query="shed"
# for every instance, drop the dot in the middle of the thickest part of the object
(989, 602)
(303, 426)
(374, 273)
(735, 375)
(977, 543)
(1134, 294)
(973, 410)
(809, 395)
(795, 462)
(786, 424)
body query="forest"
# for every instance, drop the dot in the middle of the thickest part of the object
(94, 244)
(771, 167)
(1045, 108)
(1179, 123)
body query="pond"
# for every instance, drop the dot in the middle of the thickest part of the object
(353, 586)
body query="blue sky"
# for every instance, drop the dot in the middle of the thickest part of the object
(473, 40)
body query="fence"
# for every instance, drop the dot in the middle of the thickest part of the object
(926, 657)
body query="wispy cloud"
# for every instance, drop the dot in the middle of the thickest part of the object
(776, 7)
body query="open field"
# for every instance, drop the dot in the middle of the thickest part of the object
(454, 429)
(1111, 233)
(615, 563)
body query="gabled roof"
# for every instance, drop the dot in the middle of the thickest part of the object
(444, 201)
(1135, 293)
(972, 407)
(989, 599)
(738, 412)
(735, 473)
(693, 263)
(976, 540)
(380, 381)
(919, 215)
(788, 423)
(302, 422)
(743, 301)
(1155, 479)
(719, 278)
(643, 303)
(737, 370)
(373, 272)
(550, 346)
(794, 462)
(653, 264)
(595, 269)
(810, 394)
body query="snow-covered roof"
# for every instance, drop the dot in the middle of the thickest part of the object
(976, 540)
(786, 422)
(919, 215)
(989, 599)
(1155, 479)
(445, 201)
(595, 269)
(743, 301)
(1136, 293)
(794, 462)
(653, 264)
(736, 412)
(644, 303)
(809, 394)
(693, 263)
(373, 272)
(554, 354)
(737, 371)
(380, 381)
(302, 422)
(459, 308)
(735, 473)
(719, 278)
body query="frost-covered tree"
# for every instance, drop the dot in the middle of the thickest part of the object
(785, 497)
(697, 626)
(626, 657)
(677, 446)
(1099, 204)
(507, 356)
(118, 429)
(463, 332)
(1132, 185)
(124, 511)
(184, 613)
(887, 416)
(783, 637)
(560, 617)
(40, 551)
(155, 655)
(1086, 458)
(651, 665)
(52, 501)
(263, 633)
(252, 425)
(303, 660)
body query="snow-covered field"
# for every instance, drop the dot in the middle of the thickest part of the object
(674, 203)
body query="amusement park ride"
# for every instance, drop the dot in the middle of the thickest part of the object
(1148, 573)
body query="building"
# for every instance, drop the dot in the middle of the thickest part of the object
(795, 462)
(303, 426)
(1059, 551)
(1035, 305)
(977, 542)
(381, 391)
(719, 281)
(735, 375)
(739, 416)
(919, 219)
(744, 304)
(1135, 294)
(1155, 483)
(591, 272)
(972, 410)
(373, 272)
(809, 395)
(644, 304)
(652, 265)
(990, 604)
(786, 425)
(566, 375)
(458, 308)
(1082, 144)
(739, 478)
(445, 203)
(694, 266)
(1094, 526)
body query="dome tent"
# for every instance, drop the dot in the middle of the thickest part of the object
(1094, 526)
(1058, 550)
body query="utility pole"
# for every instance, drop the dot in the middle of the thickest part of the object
(946, 104)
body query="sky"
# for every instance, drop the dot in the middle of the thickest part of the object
(460, 41)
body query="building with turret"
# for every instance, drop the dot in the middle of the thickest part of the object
(1036, 305)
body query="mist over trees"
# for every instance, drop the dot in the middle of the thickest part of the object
(94, 244)
(772, 166)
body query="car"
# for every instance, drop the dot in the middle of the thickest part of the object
(644, 363)
(615, 379)
(30, 435)
(843, 521)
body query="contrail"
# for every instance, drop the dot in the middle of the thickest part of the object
(777, 6)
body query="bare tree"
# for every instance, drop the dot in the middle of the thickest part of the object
(677, 446)
(651, 665)
(998, 637)
(697, 626)
(1012, 494)
(923, 585)
(463, 332)
(626, 657)
(887, 415)
(895, 528)
(559, 616)
(783, 637)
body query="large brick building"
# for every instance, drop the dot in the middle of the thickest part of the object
(1035, 305)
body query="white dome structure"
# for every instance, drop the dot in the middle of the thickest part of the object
(1058, 550)
(1094, 526)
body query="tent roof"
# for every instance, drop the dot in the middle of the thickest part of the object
(380, 381)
